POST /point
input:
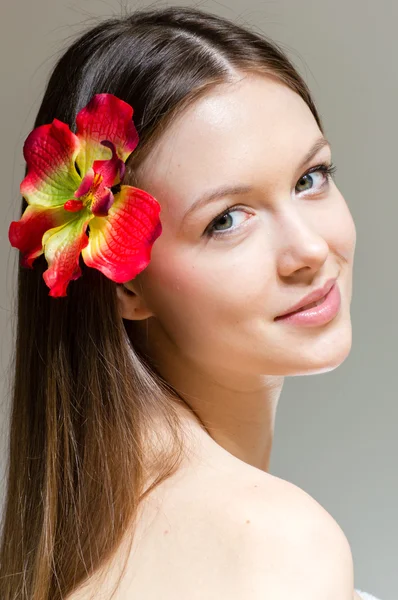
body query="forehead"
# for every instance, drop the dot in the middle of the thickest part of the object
(237, 131)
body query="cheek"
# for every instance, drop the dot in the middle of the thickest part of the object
(201, 298)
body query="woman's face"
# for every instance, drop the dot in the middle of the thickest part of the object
(215, 289)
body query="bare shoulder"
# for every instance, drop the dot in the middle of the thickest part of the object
(296, 548)
(221, 528)
(239, 534)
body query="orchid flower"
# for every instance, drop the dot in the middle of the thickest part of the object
(70, 186)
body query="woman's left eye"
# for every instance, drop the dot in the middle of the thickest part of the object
(320, 174)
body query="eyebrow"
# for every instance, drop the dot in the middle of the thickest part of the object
(231, 190)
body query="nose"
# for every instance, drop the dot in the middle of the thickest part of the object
(301, 246)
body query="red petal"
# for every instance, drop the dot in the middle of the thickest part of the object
(120, 244)
(50, 152)
(105, 117)
(102, 202)
(112, 170)
(27, 233)
(86, 184)
(62, 247)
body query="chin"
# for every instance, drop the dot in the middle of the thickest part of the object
(326, 358)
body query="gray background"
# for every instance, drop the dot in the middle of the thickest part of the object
(336, 432)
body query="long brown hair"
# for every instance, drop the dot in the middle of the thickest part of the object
(85, 402)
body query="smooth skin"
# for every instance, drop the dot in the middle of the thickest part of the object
(206, 306)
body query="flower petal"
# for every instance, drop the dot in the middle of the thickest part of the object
(86, 184)
(105, 117)
(50, 152)
(112, 170)
(62, 247)
(120, 244)
(27, 233)
(103, 200)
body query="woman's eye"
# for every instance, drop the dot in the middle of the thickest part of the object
(316, 180)
(227, 222)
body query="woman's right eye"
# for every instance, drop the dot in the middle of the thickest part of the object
(225, 220)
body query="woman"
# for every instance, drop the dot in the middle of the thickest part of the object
(144, 406)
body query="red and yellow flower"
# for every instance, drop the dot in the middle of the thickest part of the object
(68, 187)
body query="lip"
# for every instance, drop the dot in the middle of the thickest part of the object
(317, 315)
(312, 297)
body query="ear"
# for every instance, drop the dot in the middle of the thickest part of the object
(132, 305)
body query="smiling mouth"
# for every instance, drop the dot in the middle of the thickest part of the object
(308, 306)
(316, 313)
(326, 289)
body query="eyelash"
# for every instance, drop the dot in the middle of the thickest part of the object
(327, 169)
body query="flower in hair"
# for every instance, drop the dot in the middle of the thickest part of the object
(74, 182)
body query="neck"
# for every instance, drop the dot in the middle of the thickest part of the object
(236, 411)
